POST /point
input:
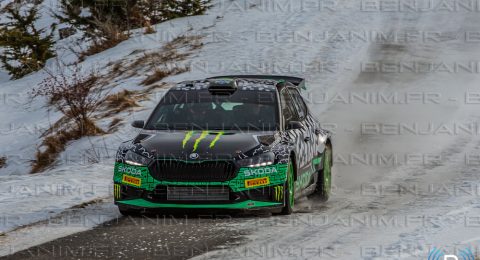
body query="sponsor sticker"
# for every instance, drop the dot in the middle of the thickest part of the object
(260, 171)
(132, 180)
(278, 193)
(257, 182)
(116, 191)
(130, 170)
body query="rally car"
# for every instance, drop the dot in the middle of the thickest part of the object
(229, 142)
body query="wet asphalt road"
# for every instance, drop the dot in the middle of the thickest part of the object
(153, 236)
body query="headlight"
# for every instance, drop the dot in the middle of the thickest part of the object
(136, 159)
(258, 161)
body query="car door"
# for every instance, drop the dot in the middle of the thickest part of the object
(300, 137)
(317, 145)
(308, 151)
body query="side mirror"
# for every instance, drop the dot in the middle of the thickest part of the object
(292, 125)
(138, 123)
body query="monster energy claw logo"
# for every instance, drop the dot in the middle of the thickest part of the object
(116, 191)
(278, 193)
(188, 135)
(202, 136)
(214, 141)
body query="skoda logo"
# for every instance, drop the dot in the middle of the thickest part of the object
(194, 156)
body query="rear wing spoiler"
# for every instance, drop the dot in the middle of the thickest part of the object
(299, 82)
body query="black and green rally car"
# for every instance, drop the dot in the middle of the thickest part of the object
(229, 142)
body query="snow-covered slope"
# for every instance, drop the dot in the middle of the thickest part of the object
(430, 191)
(27, 198)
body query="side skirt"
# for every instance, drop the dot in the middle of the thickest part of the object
(307, 191)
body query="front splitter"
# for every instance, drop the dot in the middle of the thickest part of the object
(248, 204)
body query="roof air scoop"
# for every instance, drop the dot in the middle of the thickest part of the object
(222, 86)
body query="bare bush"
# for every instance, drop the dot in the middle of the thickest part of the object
(160, 74)
(114, 125)
(83, 97)
(53, 145)
(107, 35)
(160, 62)
(77, 96)
(118, 102)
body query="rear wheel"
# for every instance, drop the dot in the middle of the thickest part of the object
(324, 186)
(289, 191)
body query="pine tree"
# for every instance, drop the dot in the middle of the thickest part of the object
(25, 48)
(117, 12)
(127, 14)
(171, 9)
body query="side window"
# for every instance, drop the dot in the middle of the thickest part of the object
(288, 109)
(300, 104)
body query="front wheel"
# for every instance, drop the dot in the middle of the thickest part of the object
(289, 192)
(324, 185)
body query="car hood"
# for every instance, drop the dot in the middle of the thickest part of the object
(207, 144)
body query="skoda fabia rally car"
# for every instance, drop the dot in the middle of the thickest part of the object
(230, 142)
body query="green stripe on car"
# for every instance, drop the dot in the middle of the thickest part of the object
(188, 135)
(219, 134)
(317, 160)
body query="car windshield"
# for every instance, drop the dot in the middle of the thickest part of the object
(200, 109)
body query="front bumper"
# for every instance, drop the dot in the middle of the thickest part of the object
(251, 188)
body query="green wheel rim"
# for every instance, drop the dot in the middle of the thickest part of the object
(327, 172)
(291, 186)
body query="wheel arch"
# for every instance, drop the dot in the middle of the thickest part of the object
(293, 158)
(328, 145)
(328, 142)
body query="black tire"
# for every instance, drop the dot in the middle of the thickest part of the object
(289, 191)
(324, 184)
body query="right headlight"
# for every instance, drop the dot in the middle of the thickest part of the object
(263, 159)
(136, 159)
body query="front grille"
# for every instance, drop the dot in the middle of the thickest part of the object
(171, 170)
(198, 193)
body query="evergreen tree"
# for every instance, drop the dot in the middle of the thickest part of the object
(127, 14)
(25, 48)
(117, 12)
(171, 9)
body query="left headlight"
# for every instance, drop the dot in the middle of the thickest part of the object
(136, 159)
(258, 161)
